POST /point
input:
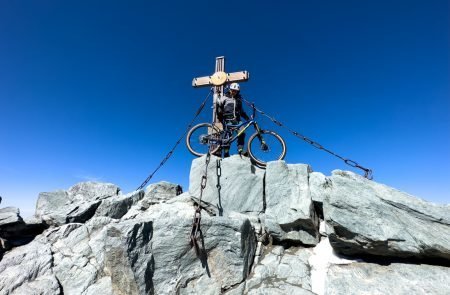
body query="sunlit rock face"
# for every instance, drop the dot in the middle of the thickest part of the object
(259, 233)
(368, 218)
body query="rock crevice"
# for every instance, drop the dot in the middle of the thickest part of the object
(282, 230)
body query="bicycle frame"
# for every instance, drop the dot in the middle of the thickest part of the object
(226, 129)
(218, 140)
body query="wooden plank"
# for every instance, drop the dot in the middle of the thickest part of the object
(201, 81)
(238, 76)
(231, 77)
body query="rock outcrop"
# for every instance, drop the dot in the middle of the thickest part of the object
(290, 213)
(368, 218)
(282, 230)
(78, 204)
(14, 231)
(395, 278)
(237, 185)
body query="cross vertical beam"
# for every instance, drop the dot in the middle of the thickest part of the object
(218, 80)
(218, 91)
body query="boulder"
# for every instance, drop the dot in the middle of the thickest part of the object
(117, 206)
(145, 254)
(239, 187)
(368, 218)
(92, 239)
(78, 204)
(91, 190)
(22, 232)
(229, 246)
(103, 252)
(155, 193)
(320, 186)
(396, 278)
(8, 216)
(28, 270)
(161, 191)
(281, 272)
(290, 213)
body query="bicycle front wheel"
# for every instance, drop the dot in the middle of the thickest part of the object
(203, 137)
(266, 146)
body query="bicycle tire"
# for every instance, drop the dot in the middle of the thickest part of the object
(267, 134)
(205, 146)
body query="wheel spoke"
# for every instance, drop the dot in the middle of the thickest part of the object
(201, 137)
(267, 146)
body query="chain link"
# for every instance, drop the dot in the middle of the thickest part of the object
(219, 173)
(196, 232)
(367, 172)
(169, 154)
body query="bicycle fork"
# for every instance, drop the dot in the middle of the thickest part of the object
(264, 146)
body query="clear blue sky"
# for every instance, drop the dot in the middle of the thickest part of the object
(101, 90)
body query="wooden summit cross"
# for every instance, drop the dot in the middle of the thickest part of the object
(218, 80)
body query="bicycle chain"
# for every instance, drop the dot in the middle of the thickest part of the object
(367, 172)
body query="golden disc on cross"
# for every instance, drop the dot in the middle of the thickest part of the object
(218, 78)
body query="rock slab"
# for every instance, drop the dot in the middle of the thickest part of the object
(236, 186)
(290, 213)
(78, 204)
(368, 218)
(396, 278)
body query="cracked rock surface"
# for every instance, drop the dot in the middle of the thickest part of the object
(259, 234)
(368, 218)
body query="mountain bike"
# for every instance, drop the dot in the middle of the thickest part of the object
(262, 146)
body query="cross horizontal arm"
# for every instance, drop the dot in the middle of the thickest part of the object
(231, 77)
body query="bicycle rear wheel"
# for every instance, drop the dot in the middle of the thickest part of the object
(266, 146)
(203, 137)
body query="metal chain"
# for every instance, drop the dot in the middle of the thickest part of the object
(218, 172)
(367, 172)
(169, 154)
(194, 237)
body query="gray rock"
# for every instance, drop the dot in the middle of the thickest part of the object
(43, 285)
(28, 269)
(282, 271)
(102, 287)
(14, 231)
(396, 278)
(204, 285)
(50, 207)
(290, 214)
(103, 252)
(91, 190)
(21, 232)
(239, 290)
(145, 254)
(241, 184)
(228, 244)
(116, 207)
(366, 217)
(78, 204)
(75, 264)
(129, 260)
(162, 191)
(155, 193)
(9, 215)
(320, 186)
(282, 289)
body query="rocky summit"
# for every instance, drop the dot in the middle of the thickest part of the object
(280, 230)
